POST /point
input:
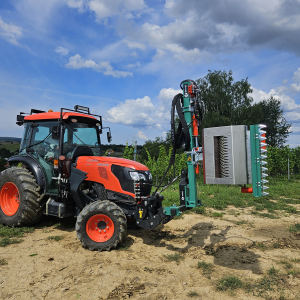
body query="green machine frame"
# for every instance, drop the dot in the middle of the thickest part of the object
(257, 148)
(190, 198)
(258, 160)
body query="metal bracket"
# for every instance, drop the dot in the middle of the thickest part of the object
(196, 156)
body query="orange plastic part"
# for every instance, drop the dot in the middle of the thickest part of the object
(191, 90)
(247, 190)
(195, 133)
(9, 199)
(55, 115)
(263, 141)
(91, 164)
(100, 228)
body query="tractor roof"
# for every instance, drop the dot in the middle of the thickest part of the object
(55, 115)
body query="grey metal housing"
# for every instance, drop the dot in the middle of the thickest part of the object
(227, 156)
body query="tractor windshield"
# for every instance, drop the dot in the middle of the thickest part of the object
(80, 134)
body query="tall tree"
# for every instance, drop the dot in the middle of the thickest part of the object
(277, 129)
(227, 102)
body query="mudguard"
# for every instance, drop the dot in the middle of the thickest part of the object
(76, 178)
(33, 167)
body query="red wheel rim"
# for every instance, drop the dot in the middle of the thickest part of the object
(100, 228)
(9, 198)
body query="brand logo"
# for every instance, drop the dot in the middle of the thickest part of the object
(103, 165)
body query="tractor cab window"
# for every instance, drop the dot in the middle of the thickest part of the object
(80, 134)
(25, 139)
(42, 142)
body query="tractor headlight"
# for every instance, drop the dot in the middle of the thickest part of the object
(150, 176)
(137, 176)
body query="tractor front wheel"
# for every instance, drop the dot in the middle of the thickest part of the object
(101, 225)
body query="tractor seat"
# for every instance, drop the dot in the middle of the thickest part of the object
(82, 151)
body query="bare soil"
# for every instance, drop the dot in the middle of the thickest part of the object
(39, 268)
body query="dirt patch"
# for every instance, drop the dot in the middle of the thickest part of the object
(246, 246)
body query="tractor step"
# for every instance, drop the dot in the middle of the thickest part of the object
(58, 209)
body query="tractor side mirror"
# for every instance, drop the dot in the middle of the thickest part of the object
(109, 136)
(55, 133)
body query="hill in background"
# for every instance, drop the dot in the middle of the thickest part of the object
(9, 139)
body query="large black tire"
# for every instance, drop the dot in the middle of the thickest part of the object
(29, 198)
(101, 211)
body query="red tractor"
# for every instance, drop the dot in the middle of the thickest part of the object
(59, 171)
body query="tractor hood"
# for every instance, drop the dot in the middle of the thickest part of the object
(108, 161)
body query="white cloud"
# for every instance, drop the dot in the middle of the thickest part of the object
(61, 50)
(76, 4)
(137, 64)
(141, 135)
(143, 113)
(292, 116)
(166, 97)
(10, 32)
(104, 9)
(295, 129)
(278, 93)
(293, 140)
(296, 76)
(133, 45)
(77, 62)
(136, 113)
(164, 134)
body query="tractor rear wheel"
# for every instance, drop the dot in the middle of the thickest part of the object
(21, 202)
(101, 225)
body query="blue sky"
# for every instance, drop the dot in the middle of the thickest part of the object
(125, 59)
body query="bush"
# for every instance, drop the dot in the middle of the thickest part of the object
(278, 160)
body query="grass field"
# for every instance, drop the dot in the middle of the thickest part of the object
(11, 147)
(283, 194)
(251, 252)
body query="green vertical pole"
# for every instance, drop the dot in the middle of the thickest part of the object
(191, 189)
(255, 161)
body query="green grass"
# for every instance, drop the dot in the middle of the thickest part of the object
(177, 257)
(148, 269)
(283, 191)
(216, 215)
(207, 268)
(55, 237)
(7, 241)
(3, 262)
(34, 254)
(260, 246)
(193, 294)
(11, 147)
(260, 288)
(123, 249)
(295, 228)
(265, 215)
(229, 283)
(8, 234)
(272, 271)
